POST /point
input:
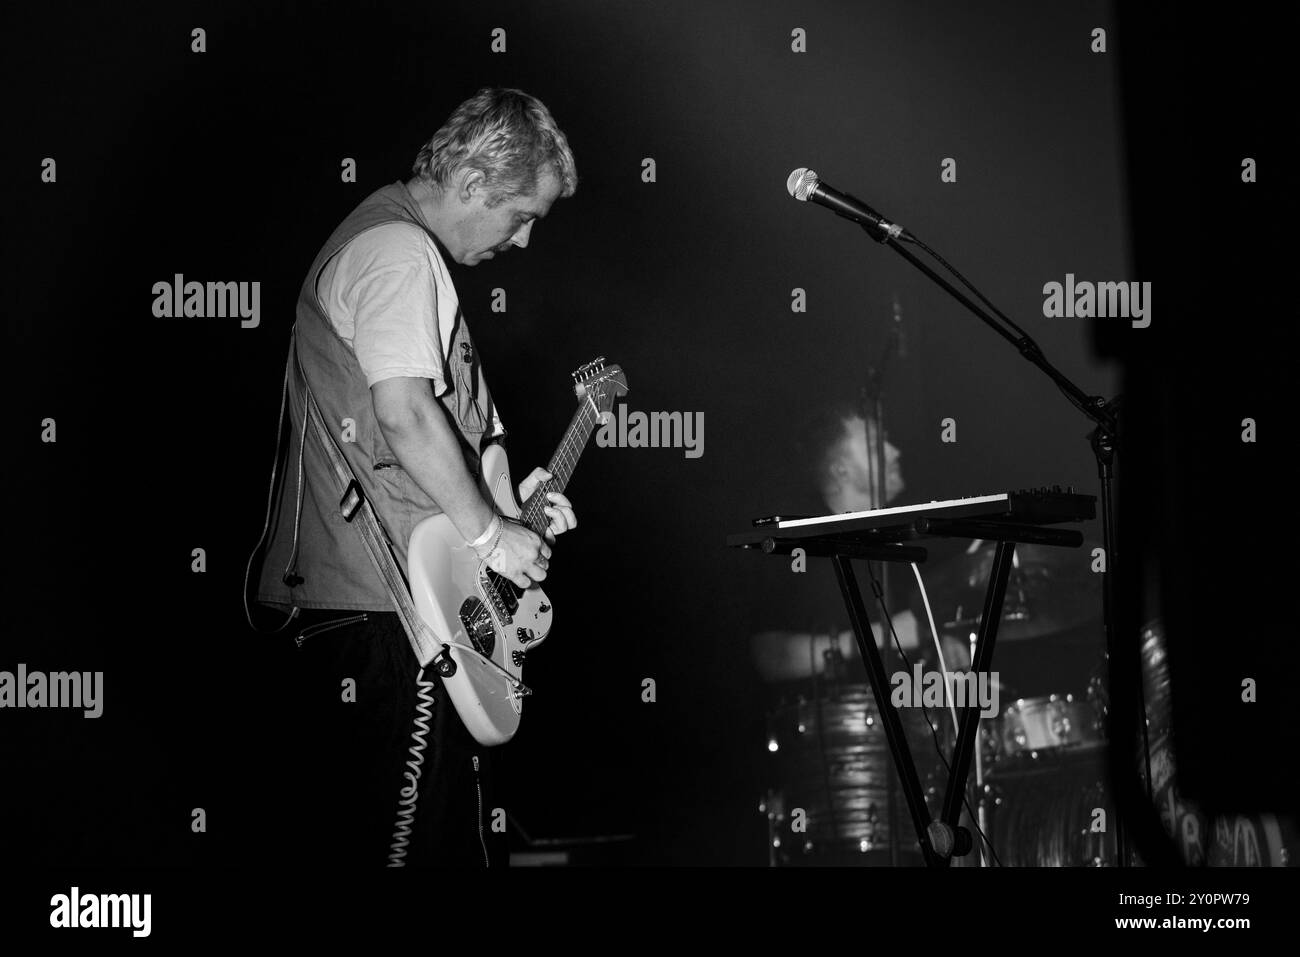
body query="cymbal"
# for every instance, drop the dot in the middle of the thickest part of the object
(1049, 590)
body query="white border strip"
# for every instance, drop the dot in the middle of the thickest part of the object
(897, 510)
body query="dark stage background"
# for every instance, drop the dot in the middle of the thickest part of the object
(225, 166)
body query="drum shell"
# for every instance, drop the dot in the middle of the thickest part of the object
(1034, 725)
(1054, 814)
(830, 774)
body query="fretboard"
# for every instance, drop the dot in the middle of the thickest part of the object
(561, 467)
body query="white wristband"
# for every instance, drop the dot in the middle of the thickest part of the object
(487, 533)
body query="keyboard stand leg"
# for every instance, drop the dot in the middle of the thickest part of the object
(969, 722)
(880, 687)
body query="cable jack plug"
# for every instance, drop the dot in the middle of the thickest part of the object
(443, 663)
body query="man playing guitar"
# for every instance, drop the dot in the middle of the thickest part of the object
(382, 345)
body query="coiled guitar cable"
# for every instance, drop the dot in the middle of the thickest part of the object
(410, 794)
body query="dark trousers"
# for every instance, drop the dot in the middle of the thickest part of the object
(353, 711)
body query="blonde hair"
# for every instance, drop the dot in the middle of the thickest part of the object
(508, 135)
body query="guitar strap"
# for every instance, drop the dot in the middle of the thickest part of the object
(358, 512)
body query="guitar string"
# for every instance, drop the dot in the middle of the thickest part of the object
(534, 510)
(532, 513)
(565, 460)
(561, 457)
(572, 438)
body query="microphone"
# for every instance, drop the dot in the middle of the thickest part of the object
(804, 184)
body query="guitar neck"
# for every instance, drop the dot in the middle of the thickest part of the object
(563, 462)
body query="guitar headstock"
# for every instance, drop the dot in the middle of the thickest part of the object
(600, 383)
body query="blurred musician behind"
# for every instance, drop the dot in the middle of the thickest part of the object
(839, 447)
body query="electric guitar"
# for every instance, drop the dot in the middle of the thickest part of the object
(487, 622)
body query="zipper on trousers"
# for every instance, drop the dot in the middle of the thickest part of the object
(325, 626)
(479, 789)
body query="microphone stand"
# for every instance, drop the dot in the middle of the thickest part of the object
(871, 404)
(1123, 650)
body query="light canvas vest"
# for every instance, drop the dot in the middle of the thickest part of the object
(331, 560)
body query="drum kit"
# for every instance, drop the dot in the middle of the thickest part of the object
(1038, 784)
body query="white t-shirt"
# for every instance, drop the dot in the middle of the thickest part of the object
(391, 299)
(389, 296)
